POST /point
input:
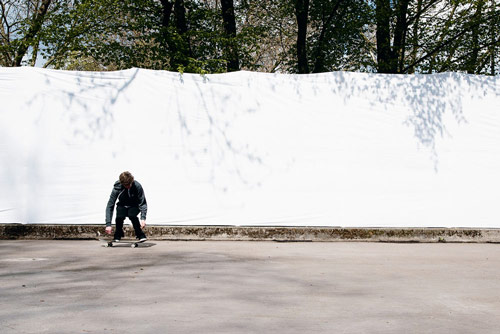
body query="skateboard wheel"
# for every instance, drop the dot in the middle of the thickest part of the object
(133, 245)
(110, 244)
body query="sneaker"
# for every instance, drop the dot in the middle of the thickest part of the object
(142, 239)
(116, 240)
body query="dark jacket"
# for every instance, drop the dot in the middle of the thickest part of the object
(133, 197)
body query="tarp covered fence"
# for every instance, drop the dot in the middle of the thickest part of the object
(243, 148)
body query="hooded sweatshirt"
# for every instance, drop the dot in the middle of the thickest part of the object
(133, 197)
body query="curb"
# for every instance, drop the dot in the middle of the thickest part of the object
(253, 233)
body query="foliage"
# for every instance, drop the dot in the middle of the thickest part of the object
(444, 35)
(414, 36)
(338, 35)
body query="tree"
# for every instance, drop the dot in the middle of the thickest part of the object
(331, 35)
(302, 15)
(212, 36)
(435, 35)
(332, 15)
(229, 20)
(57, 30)
(338, 35)
(21, 22)
(267, 35)
(74, 27)
(494, 30)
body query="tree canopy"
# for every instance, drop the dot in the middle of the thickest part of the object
(291, 36)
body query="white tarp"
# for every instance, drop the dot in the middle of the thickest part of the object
(333, 149)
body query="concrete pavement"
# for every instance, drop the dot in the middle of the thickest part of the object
(248, 287)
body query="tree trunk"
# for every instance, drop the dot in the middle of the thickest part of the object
(35, 52)
(180, 16)
(493, 34)
(35, 27)
(472, 62)
(182, 46)
(166, 12)
(399, 45)
(229, 20)
(302, 14)
(383, 35)
(319, 54)
(166, 41)
(414, 41)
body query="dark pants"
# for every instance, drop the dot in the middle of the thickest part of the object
(130, 213)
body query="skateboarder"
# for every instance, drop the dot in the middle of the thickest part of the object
(131, 202)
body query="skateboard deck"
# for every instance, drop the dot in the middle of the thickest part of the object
(125, 242)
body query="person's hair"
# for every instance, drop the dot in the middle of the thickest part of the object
(126, 178)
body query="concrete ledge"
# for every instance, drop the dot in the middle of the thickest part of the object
(261, 233)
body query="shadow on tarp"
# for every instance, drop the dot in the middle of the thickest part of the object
(427, 96)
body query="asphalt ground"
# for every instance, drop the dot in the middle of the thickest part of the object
(249, 287)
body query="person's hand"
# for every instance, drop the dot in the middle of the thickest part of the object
(143, 223)
(109, 229)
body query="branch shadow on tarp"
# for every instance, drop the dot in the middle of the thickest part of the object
(89, 104)
(70, 109)
(217, 151)
(88, 122)
(424, 98)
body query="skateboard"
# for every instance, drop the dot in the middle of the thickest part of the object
(126, 242)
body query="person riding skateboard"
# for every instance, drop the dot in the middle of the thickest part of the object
(131, 202)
